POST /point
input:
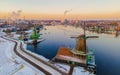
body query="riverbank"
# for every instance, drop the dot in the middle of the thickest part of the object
(63, 67)
(11, 63)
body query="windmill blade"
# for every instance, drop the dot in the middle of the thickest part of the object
(92, 36)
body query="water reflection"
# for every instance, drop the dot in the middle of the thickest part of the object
(106, 47)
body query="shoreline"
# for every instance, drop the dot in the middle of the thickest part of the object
(37, 65)
(58, 66)
(12, 58)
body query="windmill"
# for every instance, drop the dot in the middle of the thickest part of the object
(81, 49)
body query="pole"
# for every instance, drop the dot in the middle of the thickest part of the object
(85, 37)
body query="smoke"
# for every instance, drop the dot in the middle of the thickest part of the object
(15, 15)
(67, 11)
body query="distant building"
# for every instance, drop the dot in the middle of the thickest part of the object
(66, 22)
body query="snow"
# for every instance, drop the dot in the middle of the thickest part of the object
(27, 71)
(11, 63)
(2, 33)
(77, 70)
(63, 67)
(8, 68)
(16, 36)
(81, 71)
(29, 31)
(18, 61)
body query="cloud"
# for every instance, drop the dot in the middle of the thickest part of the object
(16, 15)
(67, 11)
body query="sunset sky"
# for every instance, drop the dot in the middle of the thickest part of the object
(54, 9)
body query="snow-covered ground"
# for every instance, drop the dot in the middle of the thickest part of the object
(11, 64)
(16, 36)
(77, 70)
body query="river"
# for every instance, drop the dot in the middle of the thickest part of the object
(106, 47)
